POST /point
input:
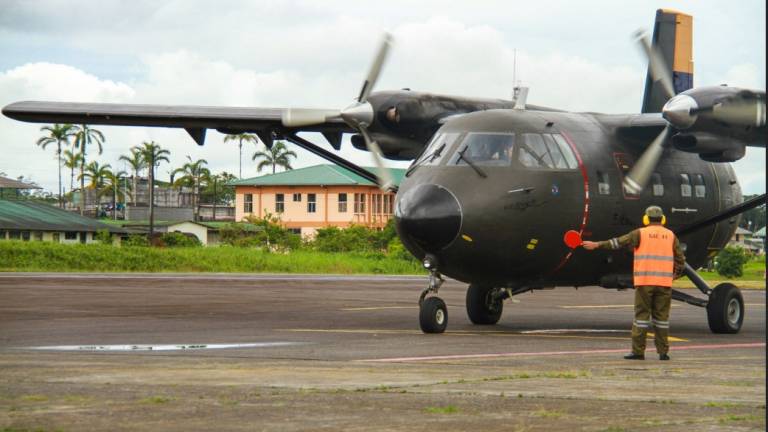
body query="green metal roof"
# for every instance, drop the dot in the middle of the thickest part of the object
(26, 215)
(325, 175)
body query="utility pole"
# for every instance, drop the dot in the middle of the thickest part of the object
(215, 183)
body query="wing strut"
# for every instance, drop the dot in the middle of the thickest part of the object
(331, 157)
(726, 214)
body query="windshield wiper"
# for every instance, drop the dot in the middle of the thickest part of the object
(469, 162)
(435, 154)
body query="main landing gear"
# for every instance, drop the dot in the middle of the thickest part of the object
(725, 304)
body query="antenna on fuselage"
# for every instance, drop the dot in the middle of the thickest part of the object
(519, 93)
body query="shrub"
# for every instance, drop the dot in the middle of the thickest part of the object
(395, 249)
(266, 232)
(730, 262)
(103, 236)
(177, 239)
(136, 240)
(356, 238)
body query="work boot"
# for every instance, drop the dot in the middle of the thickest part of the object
(634, 356)
(664, 356)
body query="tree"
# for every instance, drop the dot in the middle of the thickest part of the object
(240, 138)
(71, 161)
(753, 219)
(84, 137)
(153, 154)
(112, 187)
(137, 163)
(276, 156)
(96, 173)
(193, 173)
(58, 134)
(223, 194)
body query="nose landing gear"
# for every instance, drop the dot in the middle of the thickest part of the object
(433, 314)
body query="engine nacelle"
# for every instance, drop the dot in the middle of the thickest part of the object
(711, 148)
(393, 147)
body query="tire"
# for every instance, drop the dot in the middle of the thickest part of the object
(433, 315)
(725, 310)
(480, 309)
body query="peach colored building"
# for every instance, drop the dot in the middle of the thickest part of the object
(315, 197)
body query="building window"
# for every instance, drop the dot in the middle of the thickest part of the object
(359, 203)
(56, 237)
(38, 235)
(294, 231)
(342, 203)
(388, 207)
(14, 235)
(603, 187)
(70, 235)
(297, 197)
(376, 204)
(311, 203)
(248, 203)
(699, 187)
(658, 186)
(685, 185)
(279, 203)
(25, 235)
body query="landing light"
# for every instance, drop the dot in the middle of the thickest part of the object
(429, 262)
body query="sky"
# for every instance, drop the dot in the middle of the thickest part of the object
(573, 55)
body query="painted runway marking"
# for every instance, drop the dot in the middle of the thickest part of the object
(355, 309)
(216, 276)
(554, 335)
(183, 347)
(554, 353)
(629, 306)
(564, 331)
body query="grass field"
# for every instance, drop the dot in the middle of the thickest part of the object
(44, 256)
(53, 257)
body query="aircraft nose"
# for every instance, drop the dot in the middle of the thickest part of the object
(429, 215)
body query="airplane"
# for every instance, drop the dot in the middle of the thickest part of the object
(496, 183)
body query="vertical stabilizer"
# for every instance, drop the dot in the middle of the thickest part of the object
(673, 38)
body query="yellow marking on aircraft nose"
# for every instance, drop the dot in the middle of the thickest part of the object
(532, 244)
(466, 238)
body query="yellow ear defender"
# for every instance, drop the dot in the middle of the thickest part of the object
(656, 212)
(647, 220)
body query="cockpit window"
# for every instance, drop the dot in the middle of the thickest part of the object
(493, 149)
(437, 148)
(534, 153)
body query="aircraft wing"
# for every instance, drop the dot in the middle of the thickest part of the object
(195, 119)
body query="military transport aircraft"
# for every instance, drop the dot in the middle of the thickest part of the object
(496, 183)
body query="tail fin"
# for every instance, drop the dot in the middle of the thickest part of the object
(673, 37)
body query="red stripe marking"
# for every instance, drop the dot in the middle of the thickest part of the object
(585, 215)
(558, 353)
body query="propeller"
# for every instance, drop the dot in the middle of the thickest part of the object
(358, 115)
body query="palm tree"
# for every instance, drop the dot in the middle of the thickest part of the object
(85, 136)
(276, 156)
(137, 163)
(96, 173)
(240, 138)
(71, 161)
(58, 133)
(193, 173)
(153, 154)
(112, 187)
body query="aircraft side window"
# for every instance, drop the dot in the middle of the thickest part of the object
(603, 186)
(699, 187)
(658, 186)
(566, 150)
(533, 152)
(494, 149)
(685, 185)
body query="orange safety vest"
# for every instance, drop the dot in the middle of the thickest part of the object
(654, 257)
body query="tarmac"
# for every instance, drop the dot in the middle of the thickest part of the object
(306, 352)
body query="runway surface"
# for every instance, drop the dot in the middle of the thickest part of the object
(355, 340)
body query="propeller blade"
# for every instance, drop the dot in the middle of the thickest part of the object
(385, 177)
(375, 70)
(639, 175)
(297, 117)
(656, 63)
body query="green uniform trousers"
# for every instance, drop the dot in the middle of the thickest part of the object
(652, 305)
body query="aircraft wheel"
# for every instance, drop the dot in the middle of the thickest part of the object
(481, 308)
(433, 315)
(725, 310)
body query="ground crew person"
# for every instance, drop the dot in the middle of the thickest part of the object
(658, 260)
